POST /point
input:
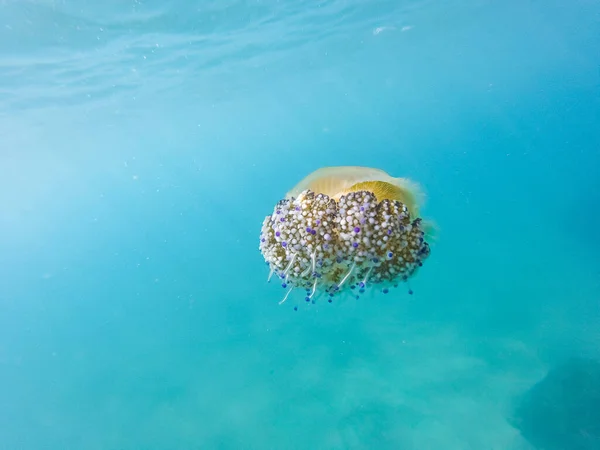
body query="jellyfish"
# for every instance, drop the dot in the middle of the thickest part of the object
(343, 230)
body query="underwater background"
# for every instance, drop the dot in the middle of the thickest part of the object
(142, 143)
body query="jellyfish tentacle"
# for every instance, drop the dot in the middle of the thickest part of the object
(286, 295)
(363, 283)
(341, 283)
(289, 266)
(314, 288)
(306, 272)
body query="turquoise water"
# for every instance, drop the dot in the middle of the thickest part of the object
(143, 142)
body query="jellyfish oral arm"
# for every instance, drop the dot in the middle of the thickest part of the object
(318, 243)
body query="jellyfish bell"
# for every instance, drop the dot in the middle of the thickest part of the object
(337, 181)
(344, 230)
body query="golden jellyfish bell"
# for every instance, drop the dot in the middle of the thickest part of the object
(337, 181)
(341, 229)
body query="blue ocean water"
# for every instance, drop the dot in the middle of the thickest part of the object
(143, 142)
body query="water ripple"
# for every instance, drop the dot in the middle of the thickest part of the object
(53, 53)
